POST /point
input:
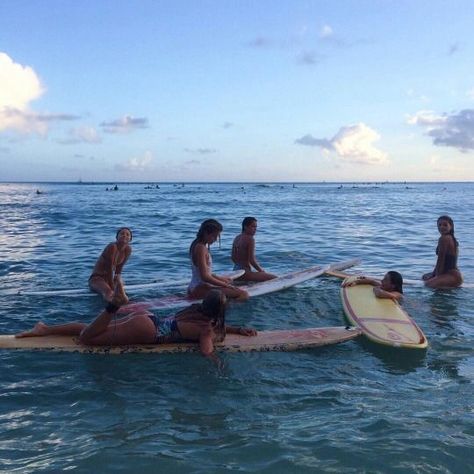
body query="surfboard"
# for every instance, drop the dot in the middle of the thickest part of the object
(280, 340)
(277, 284)
(133, 288)
(406, 281)
(381, 320)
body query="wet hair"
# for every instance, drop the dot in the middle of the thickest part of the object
(397, 280)
(211, 310)
(124, 228)
(451, 223)
(247, 221)
(214, 306)
(207, 227)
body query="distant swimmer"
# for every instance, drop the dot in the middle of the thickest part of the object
(202, 279)
(390, 287)
(243, 253)
(110, 264)
(203, 323)
(446, 273)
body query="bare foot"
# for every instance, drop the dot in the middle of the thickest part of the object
(40, 329)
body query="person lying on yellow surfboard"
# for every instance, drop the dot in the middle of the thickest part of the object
(390, 287)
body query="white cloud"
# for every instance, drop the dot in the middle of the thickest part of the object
(19, 85)
(125, 124)
(470, 93)
(453, 130)
(326, 31)
(137, 164)
(352, 143)
(200, 151)
(83, 134)
(427, 118)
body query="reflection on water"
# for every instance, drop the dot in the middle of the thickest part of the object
(342, 408)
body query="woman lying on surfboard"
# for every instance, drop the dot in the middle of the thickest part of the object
(204, 323)
(110, 264)
(203, 280)
(446, 273)
(391, 286)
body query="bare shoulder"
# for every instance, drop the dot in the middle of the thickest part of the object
(111, 248)
(447, 241)
(246, 239)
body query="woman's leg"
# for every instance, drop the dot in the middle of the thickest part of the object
(256, 276)
(134, 329)
(233, 292)
(452, 279)
(100, 286)
(42, 329)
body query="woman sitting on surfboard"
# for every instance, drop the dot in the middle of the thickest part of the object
(203, 280)
(391, 286)
(243, 253)
(446, 273)
(204, 323)
(110, 264)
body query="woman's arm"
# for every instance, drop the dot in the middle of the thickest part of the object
(127, 253)
(392, 295)
(251, 255)
(361, 280)
(240, 330)
(444, 244)
(200, 254)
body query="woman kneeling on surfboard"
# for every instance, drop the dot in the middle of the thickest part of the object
(391, 286)
(204, 323)
(203, 280)
(110, 264)
(446, 273)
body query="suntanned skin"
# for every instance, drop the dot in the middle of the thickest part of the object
(200, 257)
(440, 277)
(110, 264)
(382, 288)
(243, 255)
(137, 328)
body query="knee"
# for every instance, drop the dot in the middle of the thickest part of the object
(244, 295)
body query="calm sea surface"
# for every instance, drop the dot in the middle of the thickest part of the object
(350, 408)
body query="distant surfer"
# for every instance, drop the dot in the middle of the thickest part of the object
(110, 264)
(446, 273)
(202, 279)
(390, 287)
(243, 253)
(204, 323)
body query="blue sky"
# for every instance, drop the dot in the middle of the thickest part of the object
(236, 90)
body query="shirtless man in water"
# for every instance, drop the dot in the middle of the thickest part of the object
(243, 253)
(110, 264)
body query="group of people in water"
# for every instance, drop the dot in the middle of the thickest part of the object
(205, 322)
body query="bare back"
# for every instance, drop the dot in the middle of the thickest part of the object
(243, 250)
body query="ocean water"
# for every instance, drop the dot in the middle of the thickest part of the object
(349, 408)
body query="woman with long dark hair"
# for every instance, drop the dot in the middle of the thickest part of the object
(204, 323)
(202, 279)
(446, 273)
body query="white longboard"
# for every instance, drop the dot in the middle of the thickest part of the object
(133, 288)
(256, 289)
(282, 340)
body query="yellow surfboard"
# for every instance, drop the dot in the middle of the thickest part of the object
(381, 320)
